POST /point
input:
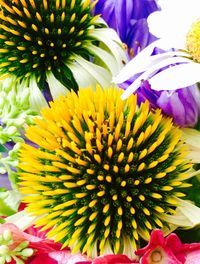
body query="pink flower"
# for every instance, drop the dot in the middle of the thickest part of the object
(109, 259)
(19, 245)
(169, 250)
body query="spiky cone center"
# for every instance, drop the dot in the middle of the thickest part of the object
(104, 172)
(193, 41)
(39, 36)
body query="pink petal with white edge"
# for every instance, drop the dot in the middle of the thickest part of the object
(193, 258)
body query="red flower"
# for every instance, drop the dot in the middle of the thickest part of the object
(169, 250)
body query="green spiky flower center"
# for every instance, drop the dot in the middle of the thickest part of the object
(105, 172)
(37, 36)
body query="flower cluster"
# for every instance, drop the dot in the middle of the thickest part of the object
(99, 132)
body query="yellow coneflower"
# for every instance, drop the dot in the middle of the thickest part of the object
(102, 171)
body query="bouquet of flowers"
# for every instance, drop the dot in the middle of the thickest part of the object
(99, 132)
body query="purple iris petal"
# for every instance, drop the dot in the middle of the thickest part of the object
(124, 16)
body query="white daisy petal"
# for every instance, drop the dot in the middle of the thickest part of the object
(110, 38)
(37, 100)
(144, 60)
(105, 57)
(82, 77)
(178, 76)
(146, 75)
(56, 88)
(99, 73)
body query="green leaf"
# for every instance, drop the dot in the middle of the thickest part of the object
(9, 202)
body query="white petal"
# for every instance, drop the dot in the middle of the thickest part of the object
(144, 60)
(102, 76)
(146, 75)
(105, 57)
(110, 38)
(82, 77)
(192, 138)
(178, 76)
(56, 87)
(37, 100)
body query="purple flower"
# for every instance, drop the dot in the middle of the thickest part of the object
(128, 18)
(183, 105)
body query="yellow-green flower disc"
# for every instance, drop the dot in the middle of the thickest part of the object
(193, 41)
(103, 171)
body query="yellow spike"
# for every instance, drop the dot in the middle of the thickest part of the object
(92, 203)
(97, 158)
(23, 61)
(68, 212)
(27, 37)
(156, 195)
(63, 16)
(158, 222)
(27, 12)
(114, 197)
(84, 18)
(153, 164)
(107, 220)
(159, 209)
(141, 197)
(72, 29)
(148, 180)
(64, 205)
(46, 31)
(134, 224)
(123, 183)
(171, 200)
(64, 3)
(120, 211)
(110, 152)
(101, 193)
(60, 235)
(160, 175)
(73, 16)
(15, 32)
(141, 166)
(93, 216)
(142, 154)
(170, 169)
(108, 178)
(38, 16)
(91, 228)
(90, 187)
(35, 28)
(152, 147)
(136, 182)
(32, 2)
(126, 168)
(146, 211)
(148, 225)
(129, 199)
(140, 139)
(119, 145)
(120, 157)
(106, 167)
(82, 209)
(72, 4)
(130, 144)
(115, 169)
(57, 4)
(10, 10)
(106, 208)
(166, 188)
(17, 11)
(130, 157)
(45, 4)
(100, 177)
(86, 3)
(80, 221)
